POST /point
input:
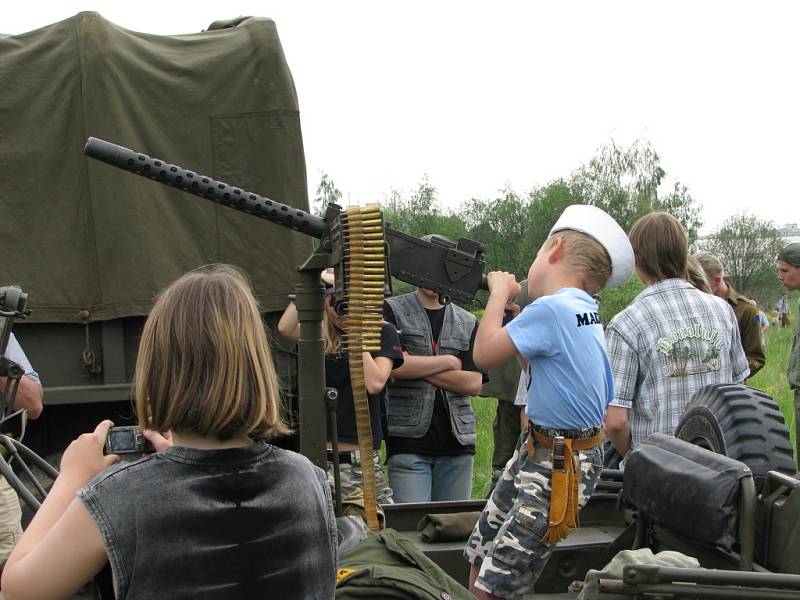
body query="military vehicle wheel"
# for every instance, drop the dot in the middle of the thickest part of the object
(742, 423)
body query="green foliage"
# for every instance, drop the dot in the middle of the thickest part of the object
(681, 205)
(418, 214)
(485, 409)
(615, 299)
(747, 247)
(513, 226)
(622, 181)
(544, 207)
(772, 378)
(625, 182)
(497, 224)
(327, 193)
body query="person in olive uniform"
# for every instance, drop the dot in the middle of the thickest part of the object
(745, 309)
(789, 275)
(503, 383)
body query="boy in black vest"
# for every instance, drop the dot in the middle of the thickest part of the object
(431, 440)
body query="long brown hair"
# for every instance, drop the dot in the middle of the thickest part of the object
(332, 334)
(660, 246)
(204, 363)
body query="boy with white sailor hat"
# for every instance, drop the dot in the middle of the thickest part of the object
(558, 459)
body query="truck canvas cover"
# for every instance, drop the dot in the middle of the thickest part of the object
(89, 242)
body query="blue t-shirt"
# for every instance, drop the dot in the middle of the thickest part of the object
(569, 374)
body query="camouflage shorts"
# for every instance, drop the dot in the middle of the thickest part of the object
(506, 542)
(351, 478)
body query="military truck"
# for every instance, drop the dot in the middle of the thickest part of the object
(92, 249)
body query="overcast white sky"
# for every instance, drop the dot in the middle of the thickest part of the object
(483, 94)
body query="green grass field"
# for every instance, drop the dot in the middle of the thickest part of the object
(771, 379)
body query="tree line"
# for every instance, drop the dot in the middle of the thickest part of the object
(626, 182)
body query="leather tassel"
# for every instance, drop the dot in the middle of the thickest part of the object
(563, 514)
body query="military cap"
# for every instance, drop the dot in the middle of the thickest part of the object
(790, 254)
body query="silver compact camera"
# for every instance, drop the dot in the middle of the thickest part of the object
(127, 440)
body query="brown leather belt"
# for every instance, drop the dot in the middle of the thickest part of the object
(579, 444)
(564, 502)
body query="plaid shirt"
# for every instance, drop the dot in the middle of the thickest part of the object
(671, 341)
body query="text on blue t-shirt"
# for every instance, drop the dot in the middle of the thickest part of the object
(569, 374)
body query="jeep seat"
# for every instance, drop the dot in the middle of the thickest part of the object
(691, 491)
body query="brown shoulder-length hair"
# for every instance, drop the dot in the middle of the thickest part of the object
(660, 246)
(204, 363)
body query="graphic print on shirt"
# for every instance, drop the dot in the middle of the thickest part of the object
(690, 350)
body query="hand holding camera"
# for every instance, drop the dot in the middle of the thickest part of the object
(84, 459)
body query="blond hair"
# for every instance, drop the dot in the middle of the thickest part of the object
(585, 255)
(660, 246)
(204, 363)
(696, 274)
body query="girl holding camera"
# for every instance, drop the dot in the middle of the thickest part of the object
(217, 512)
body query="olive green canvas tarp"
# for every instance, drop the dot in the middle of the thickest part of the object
(79, 235)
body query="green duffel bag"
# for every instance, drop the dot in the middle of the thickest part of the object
(389, 566)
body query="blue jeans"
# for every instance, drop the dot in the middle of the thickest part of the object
(420, 478)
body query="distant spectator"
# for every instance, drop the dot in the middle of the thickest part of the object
(783, 310)
(763, 321)
(744, 308)
(432, 430)
(789, 275)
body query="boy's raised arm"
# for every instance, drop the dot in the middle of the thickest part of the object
(493, 346)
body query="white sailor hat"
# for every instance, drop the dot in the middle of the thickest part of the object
(329, 279)
(598, 224)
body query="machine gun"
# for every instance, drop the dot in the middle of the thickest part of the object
(453, 270)
(361, 249)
